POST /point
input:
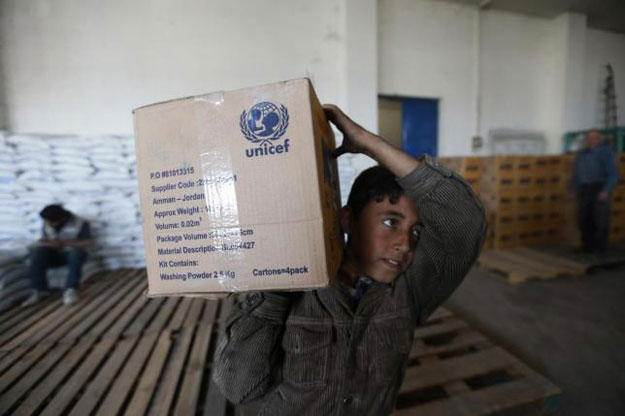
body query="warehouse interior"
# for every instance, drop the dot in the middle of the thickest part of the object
(502, 92)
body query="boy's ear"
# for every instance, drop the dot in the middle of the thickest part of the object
(345, 218)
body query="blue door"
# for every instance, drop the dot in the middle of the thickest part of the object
(420, 126)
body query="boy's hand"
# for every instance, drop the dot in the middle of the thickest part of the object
(357, 139)
(354, 135)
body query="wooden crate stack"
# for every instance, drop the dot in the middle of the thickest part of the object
(527, 198)
(471, 169)
(617, 218)
(524, 194)
(551, 180)
(570, 207)
(498, 192)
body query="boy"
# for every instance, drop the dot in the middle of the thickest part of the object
(344, 349)
(64, 242)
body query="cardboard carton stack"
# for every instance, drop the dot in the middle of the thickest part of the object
(548, 192)
(469, 167)
(504, 194)
(617, 219)
(524, 197)
(570, 206)
(528, 200)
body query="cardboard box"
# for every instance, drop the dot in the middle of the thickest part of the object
(238, 191)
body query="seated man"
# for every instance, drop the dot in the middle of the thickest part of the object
(64, 242)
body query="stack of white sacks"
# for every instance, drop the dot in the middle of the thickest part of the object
(13, 238)
(94, 177)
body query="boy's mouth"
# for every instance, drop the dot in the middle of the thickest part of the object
(393, 264)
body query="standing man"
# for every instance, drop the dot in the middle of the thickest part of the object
(594, 177)
(65, 240)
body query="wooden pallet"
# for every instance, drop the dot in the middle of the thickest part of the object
(614, 257)
(115, 352)
(454, 370)
(521, 264)
(118, 352)
(15, 286)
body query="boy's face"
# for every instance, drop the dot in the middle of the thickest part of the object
(383, 240)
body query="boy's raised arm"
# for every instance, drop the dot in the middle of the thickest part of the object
(452, 236)
(452, 215)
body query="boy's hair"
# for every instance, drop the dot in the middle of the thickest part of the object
(373, 184)
(55, 213)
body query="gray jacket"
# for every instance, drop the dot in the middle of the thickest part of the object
(312, 354)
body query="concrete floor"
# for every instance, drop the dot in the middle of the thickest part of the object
(572, 330)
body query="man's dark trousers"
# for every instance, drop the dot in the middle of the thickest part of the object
(594, 219)
(44, 258)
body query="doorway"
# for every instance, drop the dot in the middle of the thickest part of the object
(409, 123)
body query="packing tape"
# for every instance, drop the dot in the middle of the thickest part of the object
(214, 98)
(219, 182)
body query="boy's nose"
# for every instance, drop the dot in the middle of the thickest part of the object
(402, 243)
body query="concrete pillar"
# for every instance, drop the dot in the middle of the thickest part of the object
(574, 25)
(361, 64)
(565, 98)
(361, 76)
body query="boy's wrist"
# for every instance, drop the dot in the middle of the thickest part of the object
(373, 144)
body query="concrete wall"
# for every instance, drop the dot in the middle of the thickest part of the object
(603, 48)
(516, 72)
(426, 49)
(508, 63)
(80, 66)
(494, 70)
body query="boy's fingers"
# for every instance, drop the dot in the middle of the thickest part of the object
(332, 114)
(329, 108)
(331, 118)
(339, 151)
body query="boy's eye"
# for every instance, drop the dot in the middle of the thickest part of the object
(390, 222)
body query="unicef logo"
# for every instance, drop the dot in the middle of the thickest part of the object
(264, 122)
